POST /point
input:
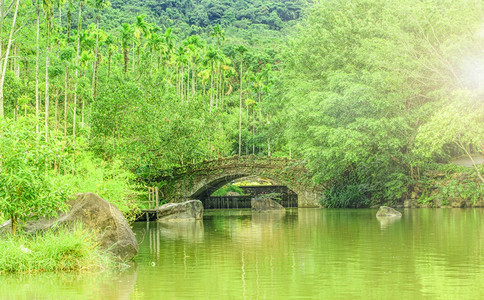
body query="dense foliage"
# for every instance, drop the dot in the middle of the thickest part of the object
(227, 188)
(377, 88)
(26, 181)
(200, 14)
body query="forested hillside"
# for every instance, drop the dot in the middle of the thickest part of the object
(249, 21)
(238, 13)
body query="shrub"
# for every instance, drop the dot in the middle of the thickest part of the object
(109, 180)
(227, 188)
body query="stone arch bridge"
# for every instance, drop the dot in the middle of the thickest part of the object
(199, 181)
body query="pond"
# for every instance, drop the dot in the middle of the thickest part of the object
(300, 254)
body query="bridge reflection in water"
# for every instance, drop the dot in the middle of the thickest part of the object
(240, 202)
(283, 195)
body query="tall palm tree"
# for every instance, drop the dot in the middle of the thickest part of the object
(169, 43)
(194, 46)
(211, 58)
(59, 4)
(37, 61)
(140, 29)
(111, 48)
(181, 61)
(98, 5)
(78, 50)
(241, 50)
(126, 38)
(154, 44)
(218, 33)
(48, 10)
(5, 61)
(66, 78)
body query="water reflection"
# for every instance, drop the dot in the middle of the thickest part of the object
(386, 222)
(268, 218)
(303, 253)
(190, 231)
(111, 285)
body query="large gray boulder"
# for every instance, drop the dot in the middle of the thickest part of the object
(103, 218)
(386, 211)
(5, 228)
(265, 204)
(186, 211)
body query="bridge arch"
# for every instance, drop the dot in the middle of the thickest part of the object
(200, 180)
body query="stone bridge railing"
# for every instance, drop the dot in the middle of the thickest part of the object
(199, 180)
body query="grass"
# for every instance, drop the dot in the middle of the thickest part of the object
(54, 250)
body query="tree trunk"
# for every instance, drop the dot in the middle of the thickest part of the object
(134, 60)
(220, 87)
(66, 78)
(268, 140)
(69, 20)
(240, 110)
(14, 221)
(253, 131)
(211, 87)
(126, 60)
(181, 84)
(193, 81)
(248, 127)
(60, 29)
(82, 111)
(188, 84)
(66, 99)
(5, 61)
(56, 112)
(15, 110)
(458, 143)
(94, 70)
(37, 51)
(269, 147)
(109, 64)
(79, 28)
(16, 64)
(2, 12)
(47, 64)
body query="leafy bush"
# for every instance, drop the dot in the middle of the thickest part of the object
(38, 176)
(109, 180)
(26, 174)
(355, 196)
(466, 190)
(227, 188)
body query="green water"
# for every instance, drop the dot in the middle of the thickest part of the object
(300, 254)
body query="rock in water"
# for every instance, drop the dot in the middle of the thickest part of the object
(386, 211)
(185, 211)
(97, 214)
(266, 204)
